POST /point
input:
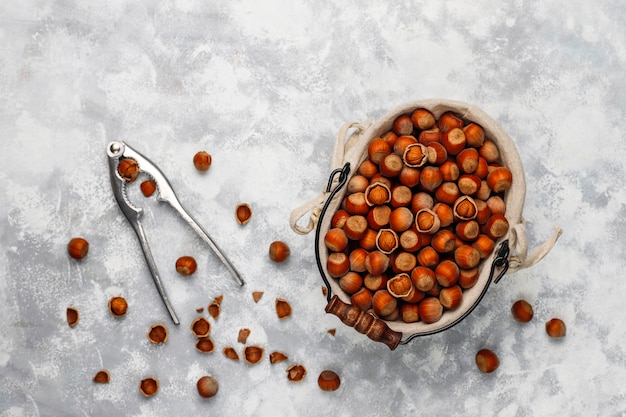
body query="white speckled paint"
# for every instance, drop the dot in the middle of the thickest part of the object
(263, 87)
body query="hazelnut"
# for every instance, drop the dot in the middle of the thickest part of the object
(283, 308)
(256, 296)
(487, 361)
(148, 187)
(207, 386)
(186, 265)
(402, 125)
(522, 311)
(73, 317)
(158, 334)
(230, 353)
(102, 377)
(423, 119)
(243, 335)
(149, 386)
(328, 380)
(253, 354)
(200, 327)
(128, 169)
(202, 161)
(279, 251)
(296, 373)
(276, 357)
(555, 328)
(78, 248)
(205, 345)
(243, 213)
(118, 306)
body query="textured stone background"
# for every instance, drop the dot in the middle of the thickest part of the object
(264, 86)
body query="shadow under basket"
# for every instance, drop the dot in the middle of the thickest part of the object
(350, 151)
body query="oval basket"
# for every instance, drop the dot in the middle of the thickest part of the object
(349, 153)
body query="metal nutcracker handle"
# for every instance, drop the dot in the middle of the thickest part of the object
(362, 321)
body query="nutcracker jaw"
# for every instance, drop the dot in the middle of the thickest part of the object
(117, 151)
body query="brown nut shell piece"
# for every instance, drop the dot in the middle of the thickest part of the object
(202, 161)
(207, 386)
(283, 308)
(78, 248)
(276, 357)
(256, 296)
(102, 377)
(230, 353)
(118, 306)
(296, 373)
(149, 386)
(186, 265)
(243, 213)
(73, 317)
(215, 309)
(279, 251)
(158, 334)
(200, 327)
(328, 380)
(242, 337)
(253, 354)
(205, 345)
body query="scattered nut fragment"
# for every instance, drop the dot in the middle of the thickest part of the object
(256, 296)
(199, 309)
(149, 386)
(276, 357)
(230, 353)
(324, 291)
(214, 309)
(205, 345)
(158, 334)
(328, 380)
(243, 212)
(487, 361)
(555, 328)
(128, 169)
(118, 306)
(78, 248)
(218, 299)
(332, 332)
(283, 308)
(200, 327)
(102, 377)
(522, 311)
(279, 251)
(202, 161)
(72, 316)
(253, 354)
(186, 265)
(243, 335)
(148, 187)
(296, 373)
(207, 386)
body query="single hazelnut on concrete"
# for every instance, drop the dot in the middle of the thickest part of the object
(186, 265)
(487, 361)
(202, 161)
(555, 328)
(207, 386)
(522, 311)
(78, 248)
(328, 380)
(279, 251)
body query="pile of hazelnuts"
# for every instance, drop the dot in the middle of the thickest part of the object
(420, 214)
